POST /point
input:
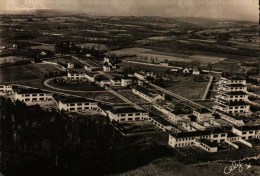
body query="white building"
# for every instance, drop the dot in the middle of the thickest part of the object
(203, 114)
(231, 96)
(204, 139)
(81, 75)
(126, 81)
(5, 88)
(90, 77)
(140, 76)
(176, 116)
(147, 94)
(31, 95)
(127, 114)
(247, 132)
(70, 65)
(116, 81)
(74, 104)
(76, 75)
(148, 73)
(195, 71)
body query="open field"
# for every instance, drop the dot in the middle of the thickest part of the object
(44, 46)
(12, 59)
(95, 45)
(25, 72)
(77, 86)
(104, 96)
(188, 88)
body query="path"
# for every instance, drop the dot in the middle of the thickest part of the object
(207, 88)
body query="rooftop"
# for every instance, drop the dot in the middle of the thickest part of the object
(234, 78)
(235, 93)
(145, 91)
(197, 133)
(230, 134)
(126, 110)
(237, 103)
(101, 78)
(70, 99)
(22, 90)
(235, 85)
(161, 120)
(203, 111)
(249, 128)
(209, 143)
(105, 107)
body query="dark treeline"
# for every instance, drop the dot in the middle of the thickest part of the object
(48, 142)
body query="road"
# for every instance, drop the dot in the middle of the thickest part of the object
(207, 88)
(123, 98)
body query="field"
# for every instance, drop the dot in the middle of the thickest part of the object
(49, 47)
(11, 59)
(95, 45)
(188, 88)
(26, 72)
(103, 96)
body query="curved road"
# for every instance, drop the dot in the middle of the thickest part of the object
(46, 83)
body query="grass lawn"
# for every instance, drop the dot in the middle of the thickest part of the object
(26, 72)
(102, 96)
(76, 86)
(188, 88)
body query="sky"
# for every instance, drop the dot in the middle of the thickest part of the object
(223, 9)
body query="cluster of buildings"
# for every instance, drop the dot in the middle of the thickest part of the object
(231, 96)
(186, 70)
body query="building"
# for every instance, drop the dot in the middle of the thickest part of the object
(146, 94)
(163, 123)
(203, 114)
(232, 96)
(75, 67)
(31, 95)
(196, 71)
(74, 104)
(70, 65)
(140, 76)
(127, 114)
(148, 73)
(115, 81)
(247, 132)
(102, 81)
(204, 139)
(126, 81)
(110, 67)
(76, 75)
(177, 115)
(6, 88)
(186, 70)
(90, 77)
